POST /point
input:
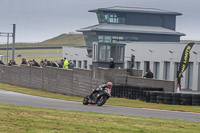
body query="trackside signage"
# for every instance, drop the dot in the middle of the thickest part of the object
(185, 59)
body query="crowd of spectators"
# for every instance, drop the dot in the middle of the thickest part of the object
(43, 63)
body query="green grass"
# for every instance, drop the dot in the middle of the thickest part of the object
(20, 119)
(111, 101)
(33, 51)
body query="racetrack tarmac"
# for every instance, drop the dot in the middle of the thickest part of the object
(7, 97)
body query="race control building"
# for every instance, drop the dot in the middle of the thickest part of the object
(147, 34)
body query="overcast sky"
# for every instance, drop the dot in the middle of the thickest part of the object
(38, 20)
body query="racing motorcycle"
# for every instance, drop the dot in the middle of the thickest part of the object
(99, 98)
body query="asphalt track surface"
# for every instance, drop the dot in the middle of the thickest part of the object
(7, 97)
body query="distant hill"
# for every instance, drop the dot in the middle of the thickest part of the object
(66, 39)
(61, 40)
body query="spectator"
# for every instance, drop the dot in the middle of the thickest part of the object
(149, 74)
(45, 63)
(35, 63)
(10, 63)
(112, 63)
(71, 65)
(30, 63)
(49, 63)
(14, 62)
(65, 63)
(1, 62)
(54, 64)
(61, 63)
(24, 62)
(42, 63)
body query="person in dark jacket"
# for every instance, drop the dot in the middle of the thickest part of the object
(112, 63)
(149, 74)
(70, 65)
(24, 62)
(35, 63)
(1, 62)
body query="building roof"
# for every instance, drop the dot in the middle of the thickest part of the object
(131, 29)
(136, 10)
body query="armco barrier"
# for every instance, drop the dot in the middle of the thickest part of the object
(77, 82)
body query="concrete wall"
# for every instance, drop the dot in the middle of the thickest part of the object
(168, 86)
(77, 82)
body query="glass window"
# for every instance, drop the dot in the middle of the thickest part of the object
(106, 17)
(102, 52)
(146, 66)
(189, 75)
(111, 20)
(166, 70)
(74, 62)
(107, 39)
(94, 52)
(121, 38)
(120, 54)
(137, 65)
(128, 64)
(79, 64)
(85, 64)
(100, 17)
(108, 52)
(135, 39)
(156, 70)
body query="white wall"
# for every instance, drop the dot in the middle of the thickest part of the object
(153, 52)
(77, 54)
(166, 52)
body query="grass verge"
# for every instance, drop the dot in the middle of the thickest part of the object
(20, 119)
(111, 101)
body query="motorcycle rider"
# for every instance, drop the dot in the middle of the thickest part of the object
(103, 87)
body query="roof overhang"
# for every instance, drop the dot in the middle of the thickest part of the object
(135, 10)
(130, 29)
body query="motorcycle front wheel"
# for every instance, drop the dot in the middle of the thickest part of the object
(101, 100)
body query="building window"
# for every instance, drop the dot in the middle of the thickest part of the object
(74, 62)
(137, 65)
(85, 64)
(102, 53)
(146, 66)
(107, 39)
(100, 17)
(120, 53)
(189, 76)
(94, 52)
(113, 18)
(108, 52)
(166, 70)
(156, 70)
(176, 68)
(128, 64)
(131, 38)
(114, 39)
(101, 38)
(79, 64)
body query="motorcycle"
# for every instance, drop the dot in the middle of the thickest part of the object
(97, 98)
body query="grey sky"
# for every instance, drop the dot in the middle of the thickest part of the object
(38, 20)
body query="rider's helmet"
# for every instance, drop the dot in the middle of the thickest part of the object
(109, 85)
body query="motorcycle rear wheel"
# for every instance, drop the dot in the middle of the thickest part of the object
(85, 100)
